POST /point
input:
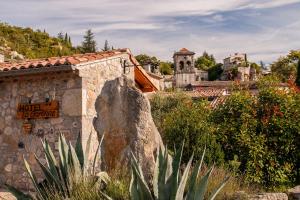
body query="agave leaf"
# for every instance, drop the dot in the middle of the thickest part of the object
(17, 193)
(182, 184)
(75, 164)
(40, 193)
(63, 150)
(162, 174)
(51, 161)
(49, 177)
(156, 175)
(133, 186)
(97, 155)
(63, 156)
(87, 153)
(202, 185)
(143, 190)
(79, 150)
(218, 189)
(193, 178)
(173, 181)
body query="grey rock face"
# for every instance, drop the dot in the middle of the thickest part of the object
(124, 116)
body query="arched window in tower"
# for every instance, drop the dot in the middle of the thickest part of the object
(181, 65)
(188, 63)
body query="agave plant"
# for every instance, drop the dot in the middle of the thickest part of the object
(71, 168)
(168, 184)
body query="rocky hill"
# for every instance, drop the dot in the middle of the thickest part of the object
(20, 43)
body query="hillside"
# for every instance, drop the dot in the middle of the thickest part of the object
(32, 44)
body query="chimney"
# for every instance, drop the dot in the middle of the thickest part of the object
(1, 58)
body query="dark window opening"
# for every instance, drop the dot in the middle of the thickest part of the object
(181, 65)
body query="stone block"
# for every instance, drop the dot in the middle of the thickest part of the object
(72, 102)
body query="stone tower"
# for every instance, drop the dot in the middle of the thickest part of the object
(185, 72)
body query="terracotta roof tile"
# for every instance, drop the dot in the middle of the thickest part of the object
(58, 61)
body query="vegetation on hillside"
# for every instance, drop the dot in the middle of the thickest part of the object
(33, 44)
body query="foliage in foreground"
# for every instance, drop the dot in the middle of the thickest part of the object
(179, 118)
(264, 131)
(261, 133)
(70, 176)
(168, 183)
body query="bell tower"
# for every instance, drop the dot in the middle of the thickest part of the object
(184, 63)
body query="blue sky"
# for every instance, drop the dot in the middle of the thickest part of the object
(265, 29)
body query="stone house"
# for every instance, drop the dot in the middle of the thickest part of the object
(44, 97)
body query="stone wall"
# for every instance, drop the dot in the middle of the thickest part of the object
(76, 92)
(94, 77)
(14, 143)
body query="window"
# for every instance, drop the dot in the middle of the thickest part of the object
(181, 65)
(188, 63)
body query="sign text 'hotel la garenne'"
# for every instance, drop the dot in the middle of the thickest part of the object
(38, 110)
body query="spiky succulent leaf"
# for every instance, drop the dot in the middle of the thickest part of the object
(51, 179)
(87, 154)
(79, 150)
(173, 181)
(202, 185)
(193, 178)
(218, 189)
(17, 193)
(97, 156)
(40, 193)
(183, 181)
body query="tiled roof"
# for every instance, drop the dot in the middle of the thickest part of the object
(184, 51)
(58, 61)
(210, 92)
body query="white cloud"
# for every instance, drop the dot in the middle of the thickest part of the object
(157, 27)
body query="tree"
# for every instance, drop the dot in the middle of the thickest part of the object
(89, 43)
(285, 67)
(165, 68)
(205, 61)
(298, 74)
(106, 46)
(144, 59)
(66, 38)
(60, 36)
(215, 72)
(256, 67)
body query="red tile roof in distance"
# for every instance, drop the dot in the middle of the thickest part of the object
(58, 61)
(184, 51)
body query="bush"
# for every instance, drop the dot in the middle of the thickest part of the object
(264, 132)
(179, 119)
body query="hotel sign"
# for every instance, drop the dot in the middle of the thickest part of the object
(38, 110)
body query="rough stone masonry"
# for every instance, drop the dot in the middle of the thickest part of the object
(76, 83)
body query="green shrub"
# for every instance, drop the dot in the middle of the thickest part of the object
(264, 132)
(179, 119)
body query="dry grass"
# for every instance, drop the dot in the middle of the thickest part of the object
(235, 184)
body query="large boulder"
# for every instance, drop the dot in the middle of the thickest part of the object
(124, 116)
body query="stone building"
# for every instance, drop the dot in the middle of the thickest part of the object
(41, 98)
(236, 67)
(184, 67)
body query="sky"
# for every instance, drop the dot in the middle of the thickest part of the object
(264, 29)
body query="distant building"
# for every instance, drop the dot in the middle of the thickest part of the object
(185, 72)
(236, 67)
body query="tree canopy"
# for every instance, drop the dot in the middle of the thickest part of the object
(286, 67)
(89, 44)
(205, 61)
